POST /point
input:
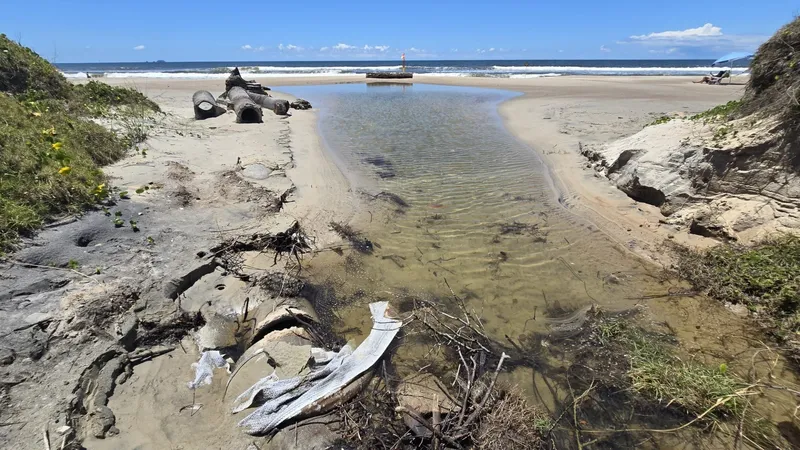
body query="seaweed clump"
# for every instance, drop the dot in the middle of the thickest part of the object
(354, 237)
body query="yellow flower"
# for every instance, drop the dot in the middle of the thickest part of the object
(64, 170)
(57, 145)
(37, 114)
(51, 131)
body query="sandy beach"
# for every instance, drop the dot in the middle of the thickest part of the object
(556, 116)
(215, 180)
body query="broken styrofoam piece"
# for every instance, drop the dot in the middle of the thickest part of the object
(204, 368)
(273, 392)
(267, 417)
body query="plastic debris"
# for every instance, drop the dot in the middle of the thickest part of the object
(305, 397)
(204, 368)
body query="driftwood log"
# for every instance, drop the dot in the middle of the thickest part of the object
(205, 105)
(390, 75)
(247, 111)
(280, 107)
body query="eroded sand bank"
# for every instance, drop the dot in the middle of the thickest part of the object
(191, 185)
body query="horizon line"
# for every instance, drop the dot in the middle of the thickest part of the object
(383, 60)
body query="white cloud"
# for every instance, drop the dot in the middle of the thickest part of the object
(454, 50)
(415, 50)
(480, 50)
(290, 48)
(249, 47)
(341, 46)
(491, 49)
(668, 51)
(707, 36)
(561, 51)
(324, 49)
(139, 47)
(706, 30)
(605, 49)
(380, 48)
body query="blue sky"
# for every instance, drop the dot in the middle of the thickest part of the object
(177, 30)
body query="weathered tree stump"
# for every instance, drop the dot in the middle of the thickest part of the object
(247, 111)
(280, 107)
(205, 105)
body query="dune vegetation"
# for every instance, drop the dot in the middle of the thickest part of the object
(51, 150)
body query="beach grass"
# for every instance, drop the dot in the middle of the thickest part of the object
(764, 277)
(657, 373)
(50, 148)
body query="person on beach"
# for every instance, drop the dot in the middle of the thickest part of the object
(709, 78)
(403, 58)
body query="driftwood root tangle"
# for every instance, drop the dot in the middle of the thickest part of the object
(235, 79)
(205, 106)
(300, 104)
(247, 111)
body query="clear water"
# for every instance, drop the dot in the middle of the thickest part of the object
(483, 213)
(445, 151)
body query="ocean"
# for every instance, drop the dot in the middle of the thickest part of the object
(476, 68)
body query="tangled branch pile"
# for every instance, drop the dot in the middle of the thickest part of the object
(461, 406)
(294, 242)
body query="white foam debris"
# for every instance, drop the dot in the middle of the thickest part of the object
(204, 368)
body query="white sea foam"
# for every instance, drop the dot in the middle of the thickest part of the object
(440, 71)
(291, 69)
(204, 75)
(534, 75)
(613, 70)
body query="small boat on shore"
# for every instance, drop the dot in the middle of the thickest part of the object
(386, 75)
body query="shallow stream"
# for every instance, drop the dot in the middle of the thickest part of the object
(474, 209)
(482, 210)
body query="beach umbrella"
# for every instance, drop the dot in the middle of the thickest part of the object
(730, 58)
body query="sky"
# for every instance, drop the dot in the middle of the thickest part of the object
(177, 30)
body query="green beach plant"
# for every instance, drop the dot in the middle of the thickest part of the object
(764, 277)
(656, 372)
(719, 113)
(50, 149)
